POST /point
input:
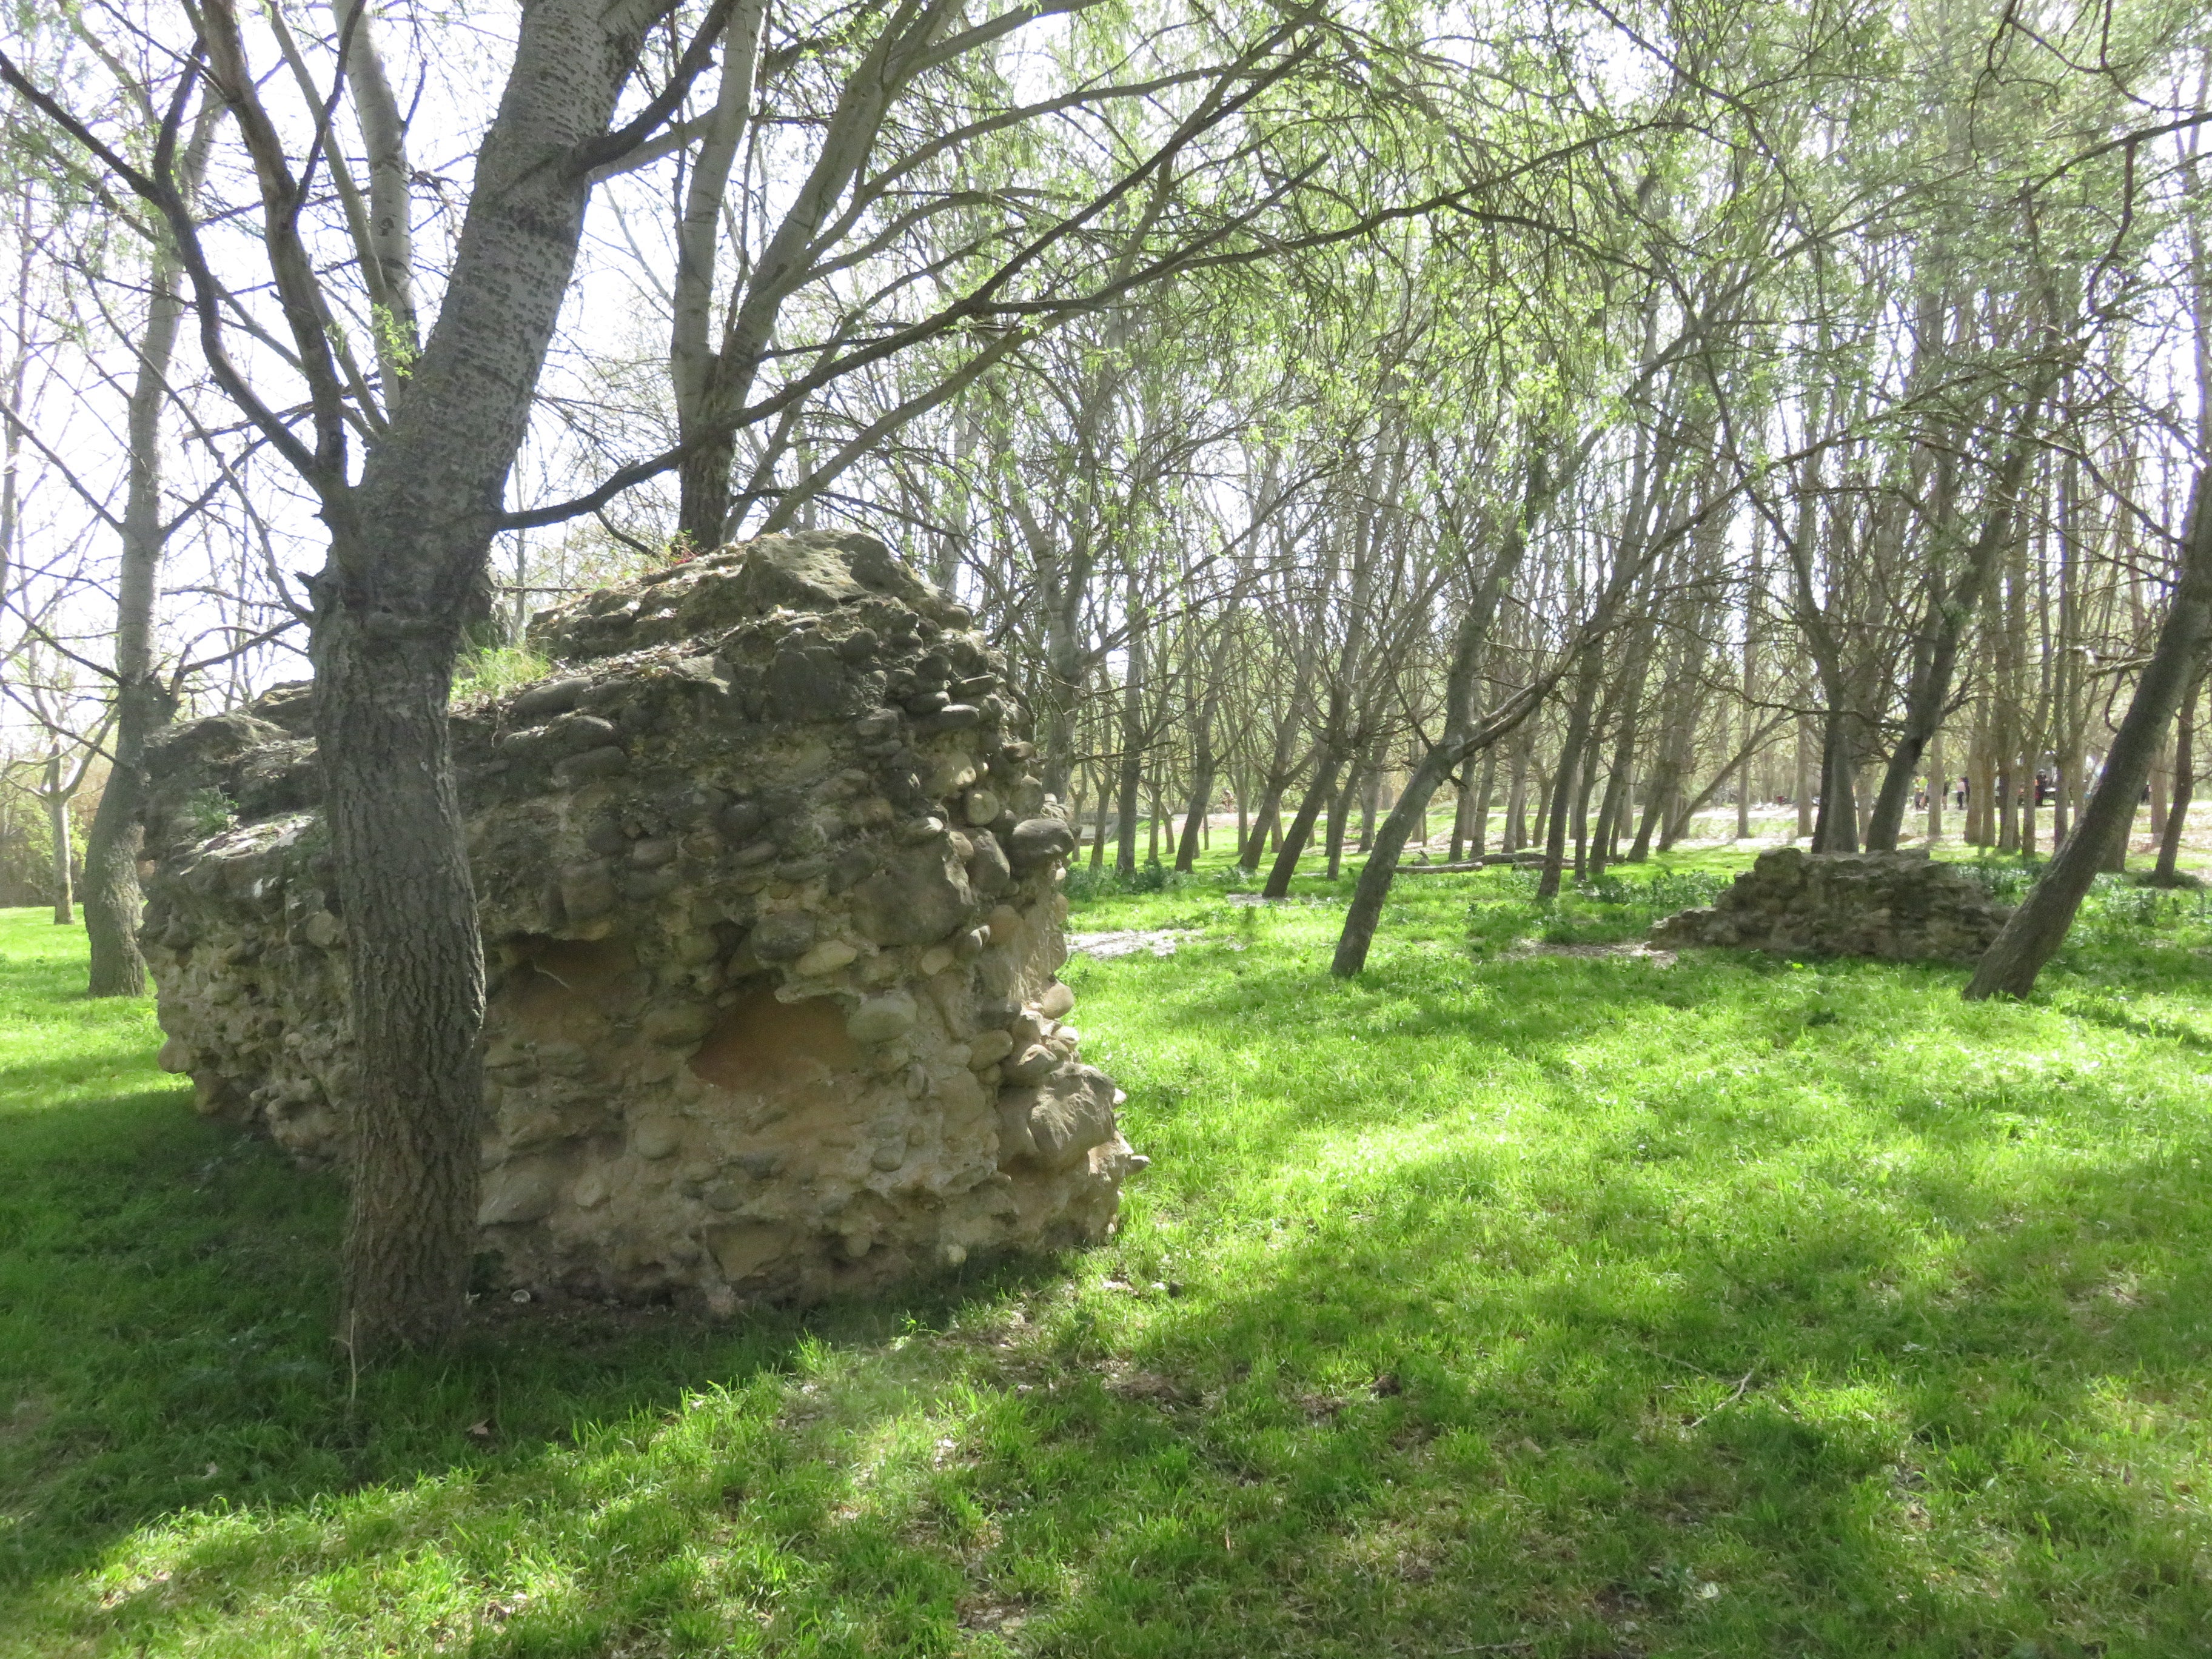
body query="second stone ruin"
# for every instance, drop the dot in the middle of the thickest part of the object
(1902, 906)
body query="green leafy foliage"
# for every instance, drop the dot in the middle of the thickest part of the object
(209, 812)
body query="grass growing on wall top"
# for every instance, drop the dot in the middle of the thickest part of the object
(1515, 1297)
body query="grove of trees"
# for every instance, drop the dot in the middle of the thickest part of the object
(1521, 428)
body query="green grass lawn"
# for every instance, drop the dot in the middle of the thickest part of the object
(1508, 1301)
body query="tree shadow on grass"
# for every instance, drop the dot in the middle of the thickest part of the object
(167, 1292)
(1926, 1389)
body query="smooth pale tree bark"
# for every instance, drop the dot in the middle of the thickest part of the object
(57, 786)
(2037, 929)
(697, 370)
(387, 234)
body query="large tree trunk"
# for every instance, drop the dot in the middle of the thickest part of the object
(417, 987)
(408, 553)
(1835, 829)
(111, 846)
(2039, 926)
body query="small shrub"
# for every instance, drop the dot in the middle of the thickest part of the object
(2004, 880)
(210, 811)
(496, 669)
(2128, 908)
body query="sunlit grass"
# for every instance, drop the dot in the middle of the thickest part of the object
(1503, 1300)
(495, 670)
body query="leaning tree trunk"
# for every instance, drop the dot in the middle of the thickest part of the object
(2039, 926)
(1348, 793)
(1470, 644)
(1201, 803)
(1318, 795)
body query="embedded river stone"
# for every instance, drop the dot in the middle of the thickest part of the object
(769, 891)
(1902, 906)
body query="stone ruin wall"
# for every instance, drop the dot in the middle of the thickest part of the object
(769, 896)
(1900, 907)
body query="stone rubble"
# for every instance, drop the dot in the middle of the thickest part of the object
(768, 897)
(1901, 907)
(1161, 942)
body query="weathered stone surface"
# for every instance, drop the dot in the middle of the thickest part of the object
(762, 943)
(1039, 841)
(1903, 907)
(921, 895)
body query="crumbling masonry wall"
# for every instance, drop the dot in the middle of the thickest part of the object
(1901, 907)
(769, 899)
